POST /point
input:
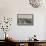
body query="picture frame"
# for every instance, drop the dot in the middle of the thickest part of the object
(24, 19)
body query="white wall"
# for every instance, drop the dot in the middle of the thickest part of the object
(11, 8)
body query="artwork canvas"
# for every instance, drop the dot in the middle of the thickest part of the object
(25, 19)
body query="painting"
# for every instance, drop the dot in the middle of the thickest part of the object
(25, 19)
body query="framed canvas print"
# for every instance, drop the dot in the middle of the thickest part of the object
(25, 19)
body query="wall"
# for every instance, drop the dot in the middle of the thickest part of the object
(10, 8)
